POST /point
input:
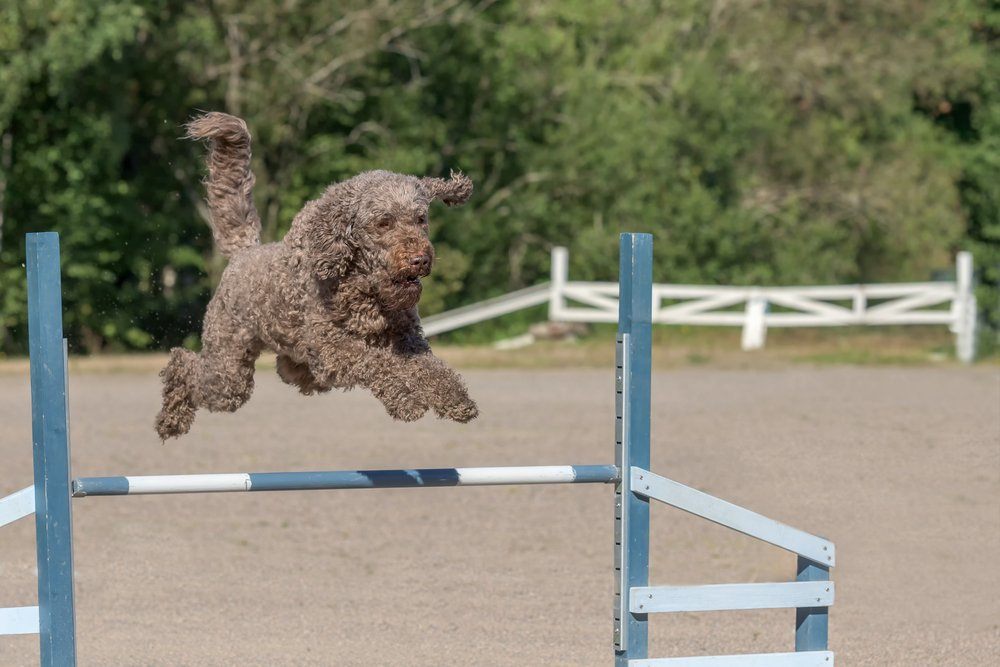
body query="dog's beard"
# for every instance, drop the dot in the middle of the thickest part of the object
(402, 293)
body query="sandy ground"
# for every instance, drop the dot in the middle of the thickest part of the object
(899, 466)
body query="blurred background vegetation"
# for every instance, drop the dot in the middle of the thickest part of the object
(800, 141)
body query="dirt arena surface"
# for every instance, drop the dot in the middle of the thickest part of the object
(899, 466)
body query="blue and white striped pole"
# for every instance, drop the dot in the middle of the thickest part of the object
(50, 448)
(635, 309)
(341, 479)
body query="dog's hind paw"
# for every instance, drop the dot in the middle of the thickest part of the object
(174, 424)
(177, 415)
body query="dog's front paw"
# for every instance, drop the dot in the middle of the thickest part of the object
(405, 408)
(462, 410)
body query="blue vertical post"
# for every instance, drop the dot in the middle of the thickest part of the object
(811, 623)
(50, 449)
(635, 284)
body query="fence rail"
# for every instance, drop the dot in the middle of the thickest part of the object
(487, 310)
(754, 309)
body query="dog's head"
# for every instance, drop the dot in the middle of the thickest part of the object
(375, 227)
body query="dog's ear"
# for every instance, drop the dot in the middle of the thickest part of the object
(324, 239)
(331, 252)
(453, 191)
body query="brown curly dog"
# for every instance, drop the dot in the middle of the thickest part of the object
(336, 299)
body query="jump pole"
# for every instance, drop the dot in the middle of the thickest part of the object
(341, 479)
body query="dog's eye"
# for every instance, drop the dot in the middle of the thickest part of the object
(385, 222)
(422, 220)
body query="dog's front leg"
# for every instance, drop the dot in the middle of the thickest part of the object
(347, 363)
(443, 388)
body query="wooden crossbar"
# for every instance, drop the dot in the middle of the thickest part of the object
(732, 516)
(801, 659)
(17, 505)
(731, 597)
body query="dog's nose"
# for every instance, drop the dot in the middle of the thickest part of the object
(422, 262)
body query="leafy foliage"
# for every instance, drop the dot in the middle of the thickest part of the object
(760, 142)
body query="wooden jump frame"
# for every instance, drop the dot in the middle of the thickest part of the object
(811, 593)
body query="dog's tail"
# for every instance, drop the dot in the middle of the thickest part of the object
(235, 222)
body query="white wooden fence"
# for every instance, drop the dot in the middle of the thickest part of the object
(755, 309)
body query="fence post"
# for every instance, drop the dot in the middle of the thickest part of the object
(965, 313)
(859, 304)
(755, 324)
(50, 449)
(557, 284)
(635, 308)
(811, 623)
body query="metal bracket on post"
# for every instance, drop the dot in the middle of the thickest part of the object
(622, 489)
(50, 448)
(631, 640)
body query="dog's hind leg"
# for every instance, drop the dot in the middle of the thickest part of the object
(225, 380)
(220, 378)
(179, 379)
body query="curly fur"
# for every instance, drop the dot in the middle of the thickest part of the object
(336, 299)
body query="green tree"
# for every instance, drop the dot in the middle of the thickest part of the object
(803, 141)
